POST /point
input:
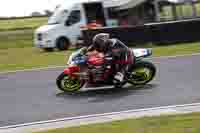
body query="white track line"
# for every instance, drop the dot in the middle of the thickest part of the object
(185, 108)
(53, 67)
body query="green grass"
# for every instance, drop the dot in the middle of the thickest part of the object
(177, 49)
(24, 58)
(164, 124)
(16, 39)
(28, 57)
(26, 23)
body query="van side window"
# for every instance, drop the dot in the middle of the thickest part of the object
(74, 17)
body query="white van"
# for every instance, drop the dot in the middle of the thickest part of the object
(63, 28)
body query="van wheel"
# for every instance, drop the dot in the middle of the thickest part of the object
(63, 43)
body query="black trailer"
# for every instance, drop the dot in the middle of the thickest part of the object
(157, 33)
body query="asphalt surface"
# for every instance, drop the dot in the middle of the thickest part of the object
(33, 96)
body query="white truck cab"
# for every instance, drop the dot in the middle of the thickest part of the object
(64, 26)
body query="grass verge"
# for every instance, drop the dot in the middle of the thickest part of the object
(28, 57)
(188, 123)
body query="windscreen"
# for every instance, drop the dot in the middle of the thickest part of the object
(58, 16)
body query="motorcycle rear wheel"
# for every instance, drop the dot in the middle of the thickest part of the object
(142, 73)
(67, 84)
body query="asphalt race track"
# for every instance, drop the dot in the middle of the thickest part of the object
(33, 96)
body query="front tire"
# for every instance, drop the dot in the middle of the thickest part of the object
(62, 44)
(142, 73)
(67, 84)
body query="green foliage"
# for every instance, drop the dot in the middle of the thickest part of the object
(183, 11)
(22, 23)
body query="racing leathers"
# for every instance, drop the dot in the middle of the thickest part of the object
(120, 54)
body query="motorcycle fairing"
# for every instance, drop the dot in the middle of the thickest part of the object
(77, 57)
(142, 52)
(72, 69)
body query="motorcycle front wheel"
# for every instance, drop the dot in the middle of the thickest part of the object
(141, 73)
(67, 84)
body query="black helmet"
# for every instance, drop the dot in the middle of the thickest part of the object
(100, 40)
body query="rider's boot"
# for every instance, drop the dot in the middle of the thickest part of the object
(118, 79)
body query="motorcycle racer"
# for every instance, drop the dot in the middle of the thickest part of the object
(114, 48)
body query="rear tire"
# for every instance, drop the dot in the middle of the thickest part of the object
(62, 43)
(66, 84)
(142, 73)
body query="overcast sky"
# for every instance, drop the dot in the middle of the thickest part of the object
(26, 7)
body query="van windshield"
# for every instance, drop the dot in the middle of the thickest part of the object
(57, 17)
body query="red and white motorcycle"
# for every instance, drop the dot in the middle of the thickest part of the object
(95, 72)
